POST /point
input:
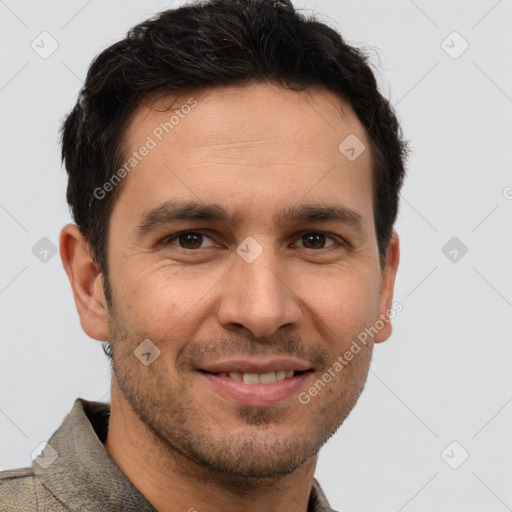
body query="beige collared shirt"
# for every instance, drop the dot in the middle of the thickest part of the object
(75, 472)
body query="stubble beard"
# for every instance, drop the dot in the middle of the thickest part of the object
(198, 443)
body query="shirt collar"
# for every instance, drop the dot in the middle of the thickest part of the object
(83, 475)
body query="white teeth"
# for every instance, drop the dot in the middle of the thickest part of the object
(261, 378)
(280, 375)
(268, 378)
(251, 378)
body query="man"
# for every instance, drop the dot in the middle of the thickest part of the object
(234, 177)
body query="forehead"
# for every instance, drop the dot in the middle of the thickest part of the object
(223, 115)
(257, 144)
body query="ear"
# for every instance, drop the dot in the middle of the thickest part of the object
(86, 282)
(387, 287)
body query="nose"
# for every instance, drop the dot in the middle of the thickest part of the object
(258, 297)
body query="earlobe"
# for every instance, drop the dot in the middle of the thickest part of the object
(387, 288)
(86, 282)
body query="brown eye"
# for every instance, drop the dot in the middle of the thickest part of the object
(317, 240)
(189, 240)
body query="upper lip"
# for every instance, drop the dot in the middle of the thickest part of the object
(253, 366)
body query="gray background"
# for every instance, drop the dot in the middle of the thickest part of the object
(444, 375)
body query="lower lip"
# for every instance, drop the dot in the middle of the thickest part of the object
(257, 394)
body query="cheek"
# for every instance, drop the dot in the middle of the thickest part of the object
(162, 298)
(342, 306)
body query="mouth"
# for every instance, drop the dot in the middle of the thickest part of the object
(252, 384)
(258, 378)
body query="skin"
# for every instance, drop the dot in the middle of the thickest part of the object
(255, 150)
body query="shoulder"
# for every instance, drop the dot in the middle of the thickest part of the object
(20, 489)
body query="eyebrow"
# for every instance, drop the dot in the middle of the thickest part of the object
(172, 211)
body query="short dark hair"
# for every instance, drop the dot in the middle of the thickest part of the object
(215, 43)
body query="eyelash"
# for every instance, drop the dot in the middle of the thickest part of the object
(336, 239)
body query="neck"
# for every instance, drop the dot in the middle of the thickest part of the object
(170, 481)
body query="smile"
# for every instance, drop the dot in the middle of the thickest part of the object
(256, 389)
(259, 378)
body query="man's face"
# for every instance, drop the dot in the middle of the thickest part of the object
(266, 286)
